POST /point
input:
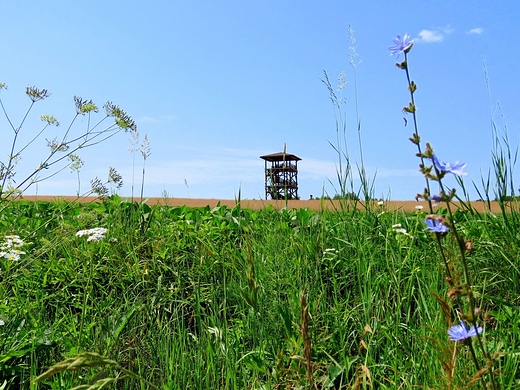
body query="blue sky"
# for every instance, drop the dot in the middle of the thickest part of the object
(214, 85)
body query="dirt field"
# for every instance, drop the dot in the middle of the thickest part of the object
(406, 206)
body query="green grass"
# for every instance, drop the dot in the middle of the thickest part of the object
(200, 298)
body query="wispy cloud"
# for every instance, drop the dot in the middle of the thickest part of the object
(315, 169)
(216, 169)
(221, 172)
(208, 171)
(319, 169)
(447, 30)
(210, 166)
(434, 36)
(476, 30)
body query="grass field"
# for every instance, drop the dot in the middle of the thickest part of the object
(230, 297)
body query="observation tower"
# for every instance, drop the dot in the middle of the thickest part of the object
(281, 175)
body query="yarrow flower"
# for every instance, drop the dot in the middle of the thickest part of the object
(456, 168)
(401, 45)
(95, 237)
(436, 226)
(96, 234)
(462, 331)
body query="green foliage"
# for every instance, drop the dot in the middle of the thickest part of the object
(206, 297)
(347, 196)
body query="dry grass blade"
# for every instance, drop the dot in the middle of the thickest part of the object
(363, 378)
(446, 309)
(84, 360)
(97, 385)
(89, 360)
(477, 376)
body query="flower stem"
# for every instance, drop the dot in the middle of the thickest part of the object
(411, 88)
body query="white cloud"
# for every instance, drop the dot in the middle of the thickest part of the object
(430, 36)
(433, 36)
(476, 30)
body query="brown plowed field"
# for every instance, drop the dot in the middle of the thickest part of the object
(405, 206)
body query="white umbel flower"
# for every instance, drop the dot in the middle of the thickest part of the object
(95, 234)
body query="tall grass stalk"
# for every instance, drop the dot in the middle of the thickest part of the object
(344, 172)
(146, 151)
(340, 147)
(503, 157)
(367, 184)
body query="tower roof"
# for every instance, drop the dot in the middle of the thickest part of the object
(280, 156)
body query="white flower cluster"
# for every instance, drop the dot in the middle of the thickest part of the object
(330, 254)
(400, 230)
(96, 234)
(331, 251)
(10, 248)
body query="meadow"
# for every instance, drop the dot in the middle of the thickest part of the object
(235, 298)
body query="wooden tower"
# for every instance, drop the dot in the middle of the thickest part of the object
(281, 175)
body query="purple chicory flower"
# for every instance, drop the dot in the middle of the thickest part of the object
(462, 331)
(401, 45)
(436, 198)
(436, 226)
(456, 168)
